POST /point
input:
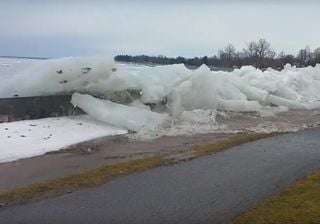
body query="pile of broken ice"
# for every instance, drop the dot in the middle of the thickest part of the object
(146, 97)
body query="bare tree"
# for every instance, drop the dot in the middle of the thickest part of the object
(257, 52)
(304, 56)
(283, 59)
(228, 54)
(250, 51)
(263, 49)
(316, 55)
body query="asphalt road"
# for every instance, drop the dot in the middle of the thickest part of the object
(211, 189)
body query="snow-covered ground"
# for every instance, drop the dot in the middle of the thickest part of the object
(23, 139)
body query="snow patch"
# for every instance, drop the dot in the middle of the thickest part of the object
(23, 139)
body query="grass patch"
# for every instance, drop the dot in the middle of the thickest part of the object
(221, 145)
(299, 204)
(101, 175)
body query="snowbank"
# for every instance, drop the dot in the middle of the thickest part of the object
(170, 90)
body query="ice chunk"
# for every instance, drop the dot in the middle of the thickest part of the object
(132, 118)
(198, 92)
(157, 82)
(285, 102)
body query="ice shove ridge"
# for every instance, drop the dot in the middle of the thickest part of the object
(142, 97)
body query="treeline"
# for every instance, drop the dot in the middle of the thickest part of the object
(257, 53)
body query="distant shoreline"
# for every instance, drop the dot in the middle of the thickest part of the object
(24, 57)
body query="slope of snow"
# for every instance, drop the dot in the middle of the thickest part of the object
(23, 139)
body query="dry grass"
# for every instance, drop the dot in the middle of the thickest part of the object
(299, 204)
(230, 142)
(101, 175)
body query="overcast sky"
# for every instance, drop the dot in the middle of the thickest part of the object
(56, 28)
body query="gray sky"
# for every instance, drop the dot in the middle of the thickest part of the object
(55, 28)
